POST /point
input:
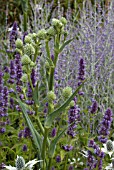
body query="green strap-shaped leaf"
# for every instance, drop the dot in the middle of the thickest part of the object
(36, 136)
(54, 142)
(36, 95)
(50, 118)
(64, 44)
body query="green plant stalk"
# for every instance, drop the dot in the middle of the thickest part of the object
(50, 161)
(65, 162)
(25, 21)
(44, 148)
(47, 49)
(56, 53)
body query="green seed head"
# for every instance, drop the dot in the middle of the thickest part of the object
(20, 163)
(42, 34)
(109, 146)
(55, 22)
(51, 96)
(51, 31)
(29, 50)
(63, 20)
(28, 39)
(72, 103)
(19, 44)
(24, 78)
(25, 60)
(67, 91)
(32, 64)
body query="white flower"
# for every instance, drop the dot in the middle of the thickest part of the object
(110, 166)
(28, 165)
(108, 147)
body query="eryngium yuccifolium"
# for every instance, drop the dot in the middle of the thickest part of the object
(51, 96)
(29, 50)
(19, 44)
(57, 23)
(51, 31)
(24, 78)
(67, 91)
(63, 20)
(25, 60)
(20, 163)
(109, 146)
(41, 34)
(28, 39)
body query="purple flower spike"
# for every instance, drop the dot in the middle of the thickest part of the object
(104, 130)
(94, 107)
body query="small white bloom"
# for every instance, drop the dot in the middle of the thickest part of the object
(106, 149)
(10, 167)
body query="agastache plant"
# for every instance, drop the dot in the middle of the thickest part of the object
(26, 81)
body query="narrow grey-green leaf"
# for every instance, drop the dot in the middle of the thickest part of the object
(50, 118)
(36, 136)
(64, 44)
(54, 142)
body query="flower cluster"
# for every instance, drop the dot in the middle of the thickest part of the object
(92, 161)
(73, 119)
(104, 130)
(13, 35)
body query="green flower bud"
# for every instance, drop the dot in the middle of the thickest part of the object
(72, 103)
(63, 20)
(28, 39)
(55, 22)
(47, 64)
(29, 49)
(32, 64)
(20, 163)
(41, 34)
(25, 60)
(34, 36)
(67, 91)
(51, 31)
(19, 44)
(24, 78)
(109, 145)
(19, 51)
(51, 96)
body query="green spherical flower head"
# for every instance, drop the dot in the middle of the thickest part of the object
(63, 20)
(51, 96)
(29, 50)
(55, 22)
(51, 31)
(72, 103)
(67, 91)
(32, 64)
(19, 44)
(109, 146)
(34, 36)
(20, 163)
(19, 51)
(24, 78)
(28, 39)
(42, 34)
(25, 60)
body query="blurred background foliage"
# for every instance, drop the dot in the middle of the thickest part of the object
(10, 10)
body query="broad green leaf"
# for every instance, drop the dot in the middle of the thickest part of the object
(54, 142)
(50, 118)
(64, 44)
(36, 136)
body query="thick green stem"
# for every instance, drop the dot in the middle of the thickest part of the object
(49, 166)
(47, 48)
(44, 148)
